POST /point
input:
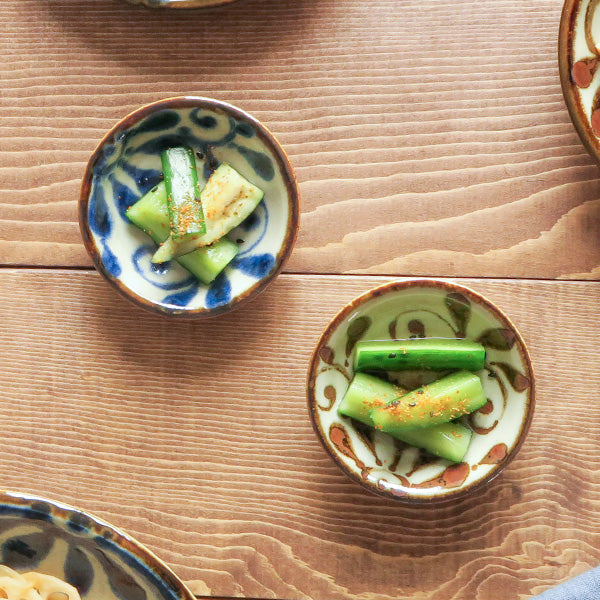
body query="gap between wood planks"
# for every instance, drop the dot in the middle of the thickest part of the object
(322, 274)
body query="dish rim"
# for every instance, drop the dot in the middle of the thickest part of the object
(180, 4)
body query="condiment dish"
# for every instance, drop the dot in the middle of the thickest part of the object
(127, 164)
(435, 309)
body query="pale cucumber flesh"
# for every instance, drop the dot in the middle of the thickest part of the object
(183, 192)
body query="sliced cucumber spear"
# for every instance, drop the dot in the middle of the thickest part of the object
(227, 199)
(430, 353)
(207, 262)
(448, 440)
(183, 192)
(151, 215)
(365, 393)
(439, 402)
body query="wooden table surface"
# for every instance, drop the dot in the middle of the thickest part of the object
(429, 137)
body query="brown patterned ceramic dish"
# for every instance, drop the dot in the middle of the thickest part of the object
(578, 60)
(102, 562)
(127, 164)
(180, 3)
(422, 308)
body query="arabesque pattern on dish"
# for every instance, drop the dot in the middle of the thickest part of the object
(586, 58)
(387, 464)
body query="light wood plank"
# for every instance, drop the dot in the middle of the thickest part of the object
(195, 438)
(428, 137)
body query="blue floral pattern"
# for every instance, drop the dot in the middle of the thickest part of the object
(59, 541)
(129, 166)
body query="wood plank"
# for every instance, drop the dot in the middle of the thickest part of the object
(195, 438)
(428, 137)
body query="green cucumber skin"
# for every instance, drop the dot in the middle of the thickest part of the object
(150, 214)
(429, 353)
(207, 262)
(439, 402)
(365, 393)
(448, 440)
(183, 192)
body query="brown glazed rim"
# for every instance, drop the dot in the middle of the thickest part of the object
(65, 512)
(284, 165)
(565, 60)
(395, 286)
(185, 3)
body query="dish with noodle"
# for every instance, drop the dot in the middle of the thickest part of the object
(34, 586)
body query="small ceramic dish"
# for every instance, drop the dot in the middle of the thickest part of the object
(102, 562)
(578, 60)
(180, 3)
(422, 308)
(127, 164)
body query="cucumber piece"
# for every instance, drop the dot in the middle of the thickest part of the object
(151, 215)
(439, 402)
(227, 199)
(207, 262)
(183, 192)
(447, 440)
(365, 392)
(428, 353)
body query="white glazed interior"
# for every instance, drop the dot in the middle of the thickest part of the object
(581, 51)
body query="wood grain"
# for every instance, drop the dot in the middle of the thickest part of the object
(428, 137)
(195, 438)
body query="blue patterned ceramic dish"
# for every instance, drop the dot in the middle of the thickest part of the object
(127, 164)
(102, 562)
